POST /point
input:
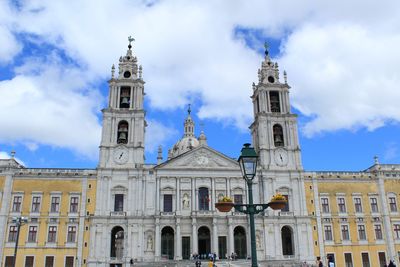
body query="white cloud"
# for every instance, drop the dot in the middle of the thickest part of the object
(47, 107)
(341, 60)
(157, 134)
(343, 77)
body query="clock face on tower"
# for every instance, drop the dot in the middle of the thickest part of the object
(281, 157)
(121, 155)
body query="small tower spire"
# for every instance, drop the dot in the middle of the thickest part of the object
(130, 39)
(189, 124)
(12, 153)
(112, 71)
(266, 49)
(159, 155)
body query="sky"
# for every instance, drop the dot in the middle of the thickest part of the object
(341, 59)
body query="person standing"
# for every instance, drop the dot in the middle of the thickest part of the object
(391, 264)
(330, 262)
(319, 262)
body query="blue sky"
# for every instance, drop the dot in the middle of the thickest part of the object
(341, 59)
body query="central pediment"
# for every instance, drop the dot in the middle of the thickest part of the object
(200, 157)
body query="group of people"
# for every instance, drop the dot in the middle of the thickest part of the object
(331, 263)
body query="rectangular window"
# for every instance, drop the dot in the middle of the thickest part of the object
(167, 203)
(52, 235)
(382, 259)
(29, 261)
(71, 234)
(357, 205)
(325, 204)
(69, 261)
(345, 232)
(204, 199)
(374, 205)
(396, 229)
(342, 205)
(392, 204)
(17, 204)
(9, 261)
(55, 204)
(365, 259)
(119, 202)
(73, 207)
(328, 232)
(348, 261)
(35, 204)
(378, 231)
(361, 232)
(49, 261)
(32, 233)
(12, 233)
(238, 199)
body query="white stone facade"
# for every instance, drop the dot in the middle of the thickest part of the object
(152, 212)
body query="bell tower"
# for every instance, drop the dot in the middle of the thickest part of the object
(274, 130)
(122, 139)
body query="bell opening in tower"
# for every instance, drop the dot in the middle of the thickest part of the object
(274, 101)
(125, 97)
(122, 133)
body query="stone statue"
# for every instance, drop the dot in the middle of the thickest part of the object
(185, 201)
(258, 241)
(149, 242)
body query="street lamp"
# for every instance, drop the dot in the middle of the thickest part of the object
(248, 165)
(18, 222)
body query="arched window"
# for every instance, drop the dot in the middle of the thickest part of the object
(287, 241)
(117, 242)
(122, 135)
(203, 198)
(278, 135)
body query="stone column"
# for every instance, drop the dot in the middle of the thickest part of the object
(213, 200)
(231, 247)
(193, 195)
(178, 194)
(157, 194)
(157, 241)
(214, 244)
(178, 240)
(195, 243)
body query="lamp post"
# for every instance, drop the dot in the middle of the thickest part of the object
(18, 222)
(248, 165)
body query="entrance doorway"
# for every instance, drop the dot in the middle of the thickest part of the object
(204, 241)
(239, 237)
(222, 247)
(287, 241)
(186, 247)
(167, 243)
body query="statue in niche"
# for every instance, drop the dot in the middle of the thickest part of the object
(258, 241)
(185, 201)
(149, 242)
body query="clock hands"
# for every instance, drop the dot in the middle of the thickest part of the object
(120, 156)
